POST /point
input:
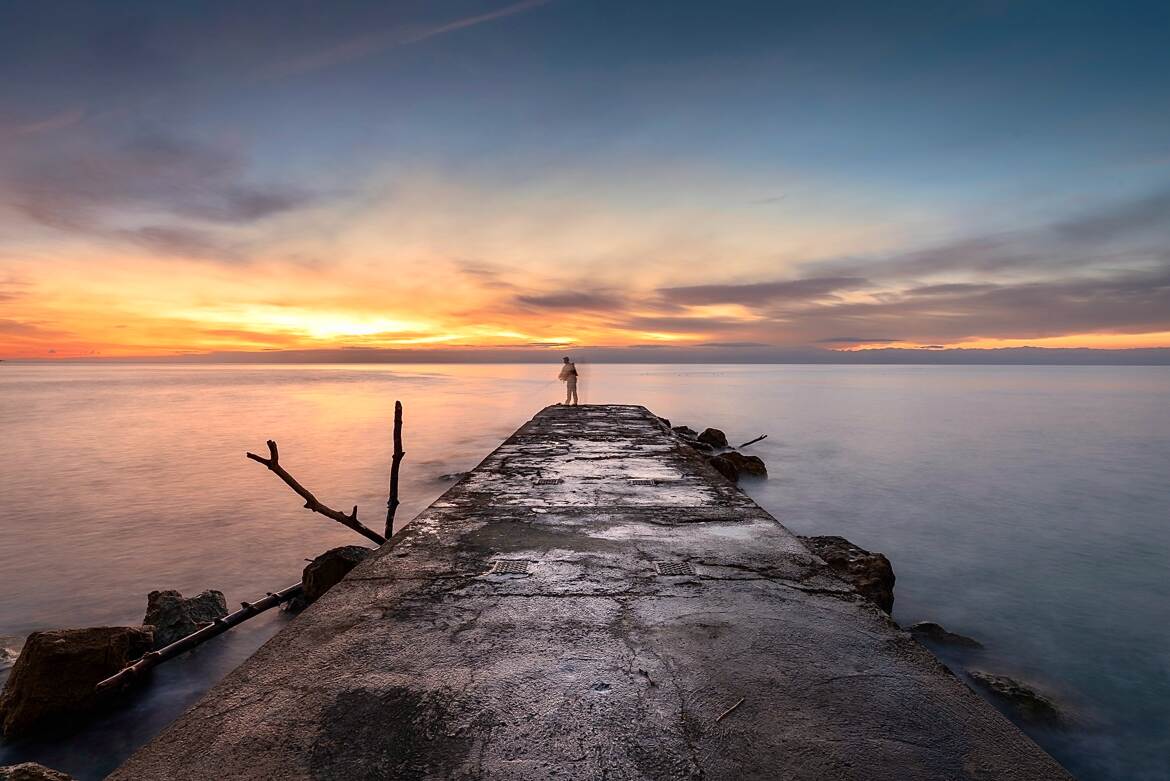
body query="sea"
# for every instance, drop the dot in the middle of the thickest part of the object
(1025, 506)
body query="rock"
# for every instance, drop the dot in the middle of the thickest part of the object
(725, 467)
(935, 633)
(53, 678)
(713, 437)
(686, 432)
(453, 476)
(870, 573)
(174, 616)
(31, 771)
(752, 466)
(327, 570)
(664, 421)
(702, 447)
(1025, 701)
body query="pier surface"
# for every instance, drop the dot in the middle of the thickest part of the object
(431, 662)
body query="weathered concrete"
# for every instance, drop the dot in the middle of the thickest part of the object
(592, 665)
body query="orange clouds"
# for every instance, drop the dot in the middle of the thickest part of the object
(443, 266)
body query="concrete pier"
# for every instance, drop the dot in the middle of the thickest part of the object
(586, 604)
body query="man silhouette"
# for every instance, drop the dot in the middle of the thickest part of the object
(568, 376)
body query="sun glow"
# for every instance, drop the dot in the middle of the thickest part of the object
(335, 325)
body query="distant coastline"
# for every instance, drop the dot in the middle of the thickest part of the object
(658, 354)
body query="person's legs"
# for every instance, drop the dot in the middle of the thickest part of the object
(568, 392)
(572, 392)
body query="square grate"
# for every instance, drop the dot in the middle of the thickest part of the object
(674, 568)
(510, 567)
(548, 481)
(644, 481)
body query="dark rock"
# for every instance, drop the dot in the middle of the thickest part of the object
(686, 432)
(664, 421)
(453, 476)
(31, 771)
(752, 466)
(713, 437)
(702, 447)
(327, 570)
(725, 467)
(1023, 700)
(53, 678)
(174, 616)
(870, 573)
(935, 633)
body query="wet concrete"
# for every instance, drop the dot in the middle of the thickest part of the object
(426, 664)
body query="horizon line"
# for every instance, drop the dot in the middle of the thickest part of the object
(1020, 355)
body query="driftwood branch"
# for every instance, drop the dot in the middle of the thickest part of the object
(725, 713)
(219, 626)
(753, 441)
(311, 502)
(392, 502)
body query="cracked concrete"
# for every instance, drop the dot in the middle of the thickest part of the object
(421, 665)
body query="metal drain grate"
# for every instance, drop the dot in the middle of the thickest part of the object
(510, 567)
(644, 481)
(548, 481)
(674, 568)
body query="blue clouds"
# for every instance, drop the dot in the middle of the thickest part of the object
(170, 195)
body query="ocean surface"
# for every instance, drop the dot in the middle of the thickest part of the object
(1028, 507)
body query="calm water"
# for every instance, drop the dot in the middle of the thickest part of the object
(1025, 506)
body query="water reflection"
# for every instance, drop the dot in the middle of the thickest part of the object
(1025, 506)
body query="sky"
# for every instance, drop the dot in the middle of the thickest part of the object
(734, 180)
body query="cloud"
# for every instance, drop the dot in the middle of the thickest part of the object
(1134, 233)
(59, 121)
(958, 288)
(17, 327)
(856, 340)
(1138, 215)
(484, 275)
(179, 241)
(1118, 302)
(28, 329)
(372, 43)
(183, 194)
(246, 204)
(572, 299)
(685, 325)
(12, 287)
(733, 344)
(762, 292)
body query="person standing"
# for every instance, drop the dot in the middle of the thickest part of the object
(568, 376)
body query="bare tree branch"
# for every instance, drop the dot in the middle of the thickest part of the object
(392, 502)
(311, 502)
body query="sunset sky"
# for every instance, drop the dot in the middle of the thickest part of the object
(184, 178)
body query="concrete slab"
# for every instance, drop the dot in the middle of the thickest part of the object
(592, 665)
